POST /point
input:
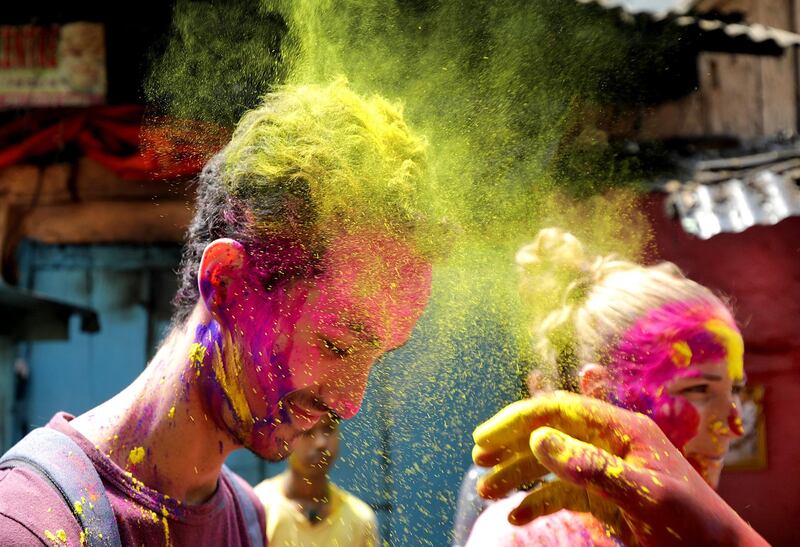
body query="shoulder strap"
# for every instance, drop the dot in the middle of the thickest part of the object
(249, 512)
(60, 461)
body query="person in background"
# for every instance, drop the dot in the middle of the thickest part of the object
(304, 508)
(658, 360)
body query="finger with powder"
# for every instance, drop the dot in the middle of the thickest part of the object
(521, 469)
(488, 457)
(587, 419)
(591, 467)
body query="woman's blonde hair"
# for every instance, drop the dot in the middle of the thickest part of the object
(585, 303)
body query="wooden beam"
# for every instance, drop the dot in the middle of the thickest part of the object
(108, 222)
(31, 185)
(95, 182)
(85, 180)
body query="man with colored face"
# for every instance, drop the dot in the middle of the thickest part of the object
(302, 267)
(312, 341)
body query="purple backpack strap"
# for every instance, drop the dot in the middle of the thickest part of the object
(60, 461)
(249, 512)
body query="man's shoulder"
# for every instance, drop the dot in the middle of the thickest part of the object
(267, 489)
(359, 508)
(32, 512)
(246, 488)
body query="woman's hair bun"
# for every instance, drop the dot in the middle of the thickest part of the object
(552, 248)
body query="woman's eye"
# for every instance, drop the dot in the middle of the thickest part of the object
(700, 388)
(738, 389)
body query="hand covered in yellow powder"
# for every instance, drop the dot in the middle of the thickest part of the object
(610, 462)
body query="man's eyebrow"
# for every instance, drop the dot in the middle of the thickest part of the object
(363, 332)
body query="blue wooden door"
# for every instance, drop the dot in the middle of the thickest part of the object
(128, 287)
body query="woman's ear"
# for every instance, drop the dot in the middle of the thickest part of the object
(594, 381)
(222, 262)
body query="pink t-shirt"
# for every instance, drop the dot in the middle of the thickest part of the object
(32, 513)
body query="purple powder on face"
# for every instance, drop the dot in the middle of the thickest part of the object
(246, 329)
(658, 348)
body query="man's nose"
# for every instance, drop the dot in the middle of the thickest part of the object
(320, 441)
(346, 390)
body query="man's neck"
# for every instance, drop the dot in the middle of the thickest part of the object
(157, 428)
(300, 487)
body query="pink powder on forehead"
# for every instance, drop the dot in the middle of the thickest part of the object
(366, 266)
(658, 348)
(380, 279)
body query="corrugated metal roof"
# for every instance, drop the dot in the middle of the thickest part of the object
(755, 32)
(714, 35)
(658, 8)
(733, 194)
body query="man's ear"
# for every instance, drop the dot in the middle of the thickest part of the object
(594, 381)
(222, 261)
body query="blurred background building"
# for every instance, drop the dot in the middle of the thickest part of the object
(92, 213)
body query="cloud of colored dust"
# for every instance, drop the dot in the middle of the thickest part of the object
(507, 94)
(510, 96)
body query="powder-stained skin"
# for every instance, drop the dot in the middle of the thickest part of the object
(680, 364)
(603, 454)
(275, 361)
(662, 346)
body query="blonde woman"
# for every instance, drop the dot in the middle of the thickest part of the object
(658, 361)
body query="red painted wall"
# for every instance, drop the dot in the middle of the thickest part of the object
(759, 269)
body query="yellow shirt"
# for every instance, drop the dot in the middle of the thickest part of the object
(351, 522)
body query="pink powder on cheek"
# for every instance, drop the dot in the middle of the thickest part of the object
(264, 324)
(677, 417)
(243, 371)
(658, 348)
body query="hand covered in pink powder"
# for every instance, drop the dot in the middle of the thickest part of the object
(611, 462)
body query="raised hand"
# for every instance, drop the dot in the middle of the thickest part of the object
(614, 463)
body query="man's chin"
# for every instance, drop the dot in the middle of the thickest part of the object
(272, 447)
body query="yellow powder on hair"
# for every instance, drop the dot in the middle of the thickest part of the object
(732, 340)
(681, 354)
